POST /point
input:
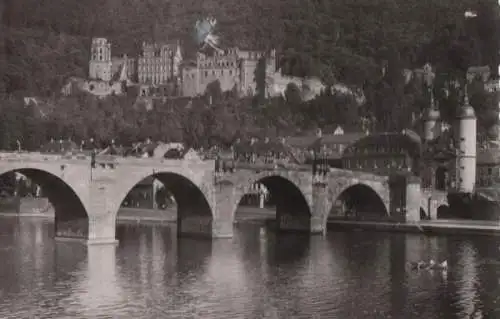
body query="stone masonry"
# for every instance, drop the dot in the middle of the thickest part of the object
(207, 201)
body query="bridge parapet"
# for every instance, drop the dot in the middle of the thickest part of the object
(224, 172)
(151, 161)
(42, 157)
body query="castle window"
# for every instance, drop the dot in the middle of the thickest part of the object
(213, 72)
(206, 73)
(230, 72)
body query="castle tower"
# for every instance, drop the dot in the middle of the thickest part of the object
(431, 120)
(466, 144)
(100, 60)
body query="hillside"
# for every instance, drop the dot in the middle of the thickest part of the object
(346, 40)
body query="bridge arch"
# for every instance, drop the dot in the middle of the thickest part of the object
(68, 198)
(193, 201)
(290, 194)
(366, 200)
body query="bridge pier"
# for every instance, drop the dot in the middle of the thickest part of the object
(102, 229)
(406, 197)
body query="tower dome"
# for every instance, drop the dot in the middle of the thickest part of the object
(466, 110)
(432, 114)
(494, 131)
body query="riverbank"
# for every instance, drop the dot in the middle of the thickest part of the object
(127, 215)
(436, 227)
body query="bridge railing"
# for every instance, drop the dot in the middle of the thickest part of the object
(152, 161)
(40, 157)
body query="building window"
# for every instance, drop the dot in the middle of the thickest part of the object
(206, 73)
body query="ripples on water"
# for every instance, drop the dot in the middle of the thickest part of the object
(151, 274)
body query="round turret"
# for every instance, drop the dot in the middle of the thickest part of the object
(494, 132)
(432, 114)
(466, 111)
(466, 136)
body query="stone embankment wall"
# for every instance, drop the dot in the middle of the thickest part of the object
(39, 207)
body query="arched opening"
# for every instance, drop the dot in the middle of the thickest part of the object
(440, 178)
(359, 202)
(423, 214)
(166, 197)
(39, 193)
(274, 198)
(444, 212)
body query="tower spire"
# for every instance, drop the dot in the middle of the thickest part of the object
(466, 95)
(432, 100)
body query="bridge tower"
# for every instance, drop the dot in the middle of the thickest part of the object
(466, 144)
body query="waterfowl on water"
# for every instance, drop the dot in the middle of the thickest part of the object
(418, 265)
(440, 266)
(431, 265)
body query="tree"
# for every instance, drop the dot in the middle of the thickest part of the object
(293, 94)
(213, 91)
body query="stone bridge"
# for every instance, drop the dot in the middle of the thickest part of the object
(86, 196)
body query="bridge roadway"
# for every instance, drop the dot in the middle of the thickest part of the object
(86, 197)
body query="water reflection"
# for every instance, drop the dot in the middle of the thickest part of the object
(98, 290)
(258, 274)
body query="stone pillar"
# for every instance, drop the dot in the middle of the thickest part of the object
(321, 209)
(406, 194)
(413, 199)
(101, 218)
(432, 207)
(102, 229)
(226, 203)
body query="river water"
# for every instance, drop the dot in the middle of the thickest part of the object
(257, 274)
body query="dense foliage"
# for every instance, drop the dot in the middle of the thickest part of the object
(350, 41)
(194, 121)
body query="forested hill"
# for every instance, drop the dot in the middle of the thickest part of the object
(345, 40)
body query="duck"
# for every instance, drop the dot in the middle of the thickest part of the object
(435, 266)
(417, 265)
(431, 265)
